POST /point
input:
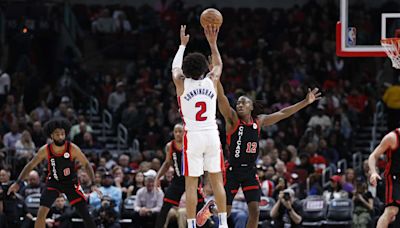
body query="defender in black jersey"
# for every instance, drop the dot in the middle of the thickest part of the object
(62, 178)
(243, 133)
(176, 189)
(390, 145)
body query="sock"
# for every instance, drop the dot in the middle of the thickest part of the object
(222, 220)
(191, 223)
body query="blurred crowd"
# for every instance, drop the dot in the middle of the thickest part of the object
(271, 55)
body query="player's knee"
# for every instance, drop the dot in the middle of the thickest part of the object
(254, 210)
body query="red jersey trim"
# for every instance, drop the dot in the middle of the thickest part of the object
(58, 155)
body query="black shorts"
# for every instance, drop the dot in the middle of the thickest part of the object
(175, 191)
(74, 193)
(244, 177)
(392, 190)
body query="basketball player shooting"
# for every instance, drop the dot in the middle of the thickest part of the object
(62, 178)
(197, 99)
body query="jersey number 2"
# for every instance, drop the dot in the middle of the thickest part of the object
(203, 108)
(251, 147)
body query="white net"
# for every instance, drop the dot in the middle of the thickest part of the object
(392, 49)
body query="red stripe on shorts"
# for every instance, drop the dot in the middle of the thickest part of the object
(253, 187)
(186, 163)
(171, 201)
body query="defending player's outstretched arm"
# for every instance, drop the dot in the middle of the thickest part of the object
(229, 114)
(37, 159)
(275, 117)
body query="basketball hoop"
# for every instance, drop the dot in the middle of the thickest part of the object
(392, 48)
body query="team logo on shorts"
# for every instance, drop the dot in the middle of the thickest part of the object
(66, 155)
(67, 171)
(254, 126)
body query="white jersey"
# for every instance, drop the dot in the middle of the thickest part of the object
(198, 105)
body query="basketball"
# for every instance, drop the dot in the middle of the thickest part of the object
(211, 16)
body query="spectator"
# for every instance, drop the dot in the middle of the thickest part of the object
(286, 211)
(107, 215)
(330, 154)
(5, 86)
(38, 136)
(155, 164)
(107, 189)
(392, 105)
(318, 161)
(9, 210)
(78, 139)
(363, 206)
(61, 112)
(85, 181)
(119, 180)
(122, 25)
(104, 23)
(148, 202)
(123, 162)
(60, 214)
(76, 128)
(11, 138)
(305, 163)
(88, 143)
(25, 147)
(335, 191)
(320, 119)
(43, 112)
(34, 185)
(139, 183)
(349, 183)
(117, 97)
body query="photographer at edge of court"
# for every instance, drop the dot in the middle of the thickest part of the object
(286, 211)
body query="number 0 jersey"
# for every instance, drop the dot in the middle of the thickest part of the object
(198, 105)
(243, 144)
(61, 167)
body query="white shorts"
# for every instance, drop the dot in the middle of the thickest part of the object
(202, 151)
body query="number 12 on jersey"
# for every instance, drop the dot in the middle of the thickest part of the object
(251, 147)
(203, 108)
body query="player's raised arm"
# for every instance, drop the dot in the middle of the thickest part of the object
(211, 32)
(226, 110)
(39, 157)
(275, 117)
(177, 73)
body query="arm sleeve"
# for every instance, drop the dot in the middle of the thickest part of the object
(178, 59)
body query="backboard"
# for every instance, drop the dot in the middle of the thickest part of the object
(357, 19)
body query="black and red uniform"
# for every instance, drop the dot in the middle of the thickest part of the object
(392, 174)
(241, 168)
(61, 178)
(177, 188)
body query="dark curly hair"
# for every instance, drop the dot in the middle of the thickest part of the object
(194, 65)
(54, 124)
